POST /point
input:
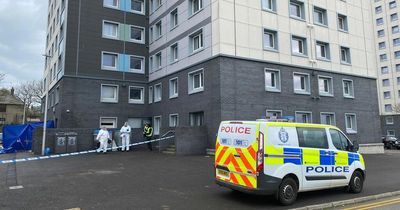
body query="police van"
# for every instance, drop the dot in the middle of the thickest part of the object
(283, 158)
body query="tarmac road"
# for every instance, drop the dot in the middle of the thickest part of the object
(150, 180)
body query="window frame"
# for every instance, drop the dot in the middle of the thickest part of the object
(273, 5)
(272, 111)
(278, 81)
(177, 120)
(111, 6)
(143, 59)
(135, 101)
(275, 40)
(157, 130)
(307, 84)
(172, 58)
(387, 122)
(301, 138)
(116, 122)
(345, 22)
(191, 88)
(198, 33)
(324, 16)
(352, 88)
(303, 112)
(143, 35)
(348, 55)
(116, 37)
(110, 68)
(174, 22)
(151, 95)
(155, 91)
(327, 51)
(330, 86)
(109, 100)
(328, 113)
(143, 11)
(348, 129)
(304, 45)
(172, 94)
(191, 7)
(302, 9)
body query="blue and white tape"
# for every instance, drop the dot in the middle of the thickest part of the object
(76, 153)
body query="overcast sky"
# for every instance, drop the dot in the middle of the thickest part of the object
(22, 40)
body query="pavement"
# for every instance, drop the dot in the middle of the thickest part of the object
(392, 203)
(150, 180)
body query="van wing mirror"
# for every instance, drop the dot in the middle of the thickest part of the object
(355, 146)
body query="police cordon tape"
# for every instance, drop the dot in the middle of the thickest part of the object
(78, 153)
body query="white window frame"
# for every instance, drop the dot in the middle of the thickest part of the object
(272, 5)
(170, 120)
(155, 91)
(327, 51)
(388, 122)
(109, 118)
(274, 111)
(111, 6)
(391, 107)
(191, 88)
(277, 87)
(345, 22)
(191, 7)
(351, 130)
(324, 16)
(172, 58)
(302, 9)
(103, 67)
(388, 131)
(109, 100)
(307, 91)
(172, 94)
(347, 54)
(143, 64)
(157, 128)
(135, 101)
(304, 45)
(174, 22)
(274, 36)
(330, 86)
(142, 12)
(151, 94)
(158, 61)
(352, 88)
(303, 112)
(108, 36)
(384, 95)
(158, 30)
(143, 40)
(328, 113)
(198, 33)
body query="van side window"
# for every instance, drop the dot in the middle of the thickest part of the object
(313, 138)
(339, 141)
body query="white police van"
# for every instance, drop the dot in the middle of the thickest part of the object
(284, 158)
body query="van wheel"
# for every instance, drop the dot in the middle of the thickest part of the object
(287, 192)
(356, 182)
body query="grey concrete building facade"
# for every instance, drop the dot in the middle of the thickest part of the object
(207, 61)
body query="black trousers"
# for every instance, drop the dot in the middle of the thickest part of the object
(148, 138)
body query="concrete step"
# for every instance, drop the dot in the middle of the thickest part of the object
(168, 152)
(172, 146)
(170, 149)
(210, 152)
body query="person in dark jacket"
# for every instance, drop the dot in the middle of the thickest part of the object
(148, 133)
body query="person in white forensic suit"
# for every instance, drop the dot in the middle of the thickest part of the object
(125, 134)
(103, 136)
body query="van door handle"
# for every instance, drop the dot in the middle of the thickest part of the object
(237, 155)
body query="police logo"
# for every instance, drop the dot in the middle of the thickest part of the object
(283, 135)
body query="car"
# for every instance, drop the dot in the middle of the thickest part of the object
(284, 158)
(391, 142)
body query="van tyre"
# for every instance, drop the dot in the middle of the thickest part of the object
(287, 192)
(356, 182)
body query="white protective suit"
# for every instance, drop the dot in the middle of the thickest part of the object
(103, 137)
(125, 134)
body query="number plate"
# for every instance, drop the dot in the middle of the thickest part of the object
(223, 173)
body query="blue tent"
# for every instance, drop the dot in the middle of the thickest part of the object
(19, 137)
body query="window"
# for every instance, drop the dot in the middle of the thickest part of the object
(348, 89)
(157, 125)
(136, 95)
(392, 4)
(388, 108)
(325, 85)
(303, 117)
(137, 6)
(157, 92)
(173, 88)
(391, 133)
(109, 61)
(381, 33)
(272, 80)
(196, 118)
(158, 29)
(301, 83)
(299, 45)
(320, 16)
(155, 4)
(173, 120)
(394, 17)
(386, 94)
(3, 108)
(174, 53)
(384, 70)
(342, 23)
(274, 114)
(296, 9)
(109, 93)
(345, 56)
(383, 57)
(398, 80)
(108, 122)
(158, 60)
(312, 138)
(382, 45)
(351, 123)
(151, 64)
(269, 5)
(110, 3)
(396, 41)
(151, 34)
(196, 81)
(339, 140)
(328, 118)
(323, 50)
(195, 6)
(397, 67)
(174, 18)
(397, 54)
(385, 82)
(151, 94)
(389, 120)
(196, 41)
(110, 29)
(137, 63)
(378, 9)
(379, 21)
(270, 40)
(395, 29)
(137, 34)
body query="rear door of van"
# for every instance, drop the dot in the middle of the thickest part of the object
(236, 153)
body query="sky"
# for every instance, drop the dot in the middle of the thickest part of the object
(22, 40)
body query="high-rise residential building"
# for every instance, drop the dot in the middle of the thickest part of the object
(387, 43)
(205, 61)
